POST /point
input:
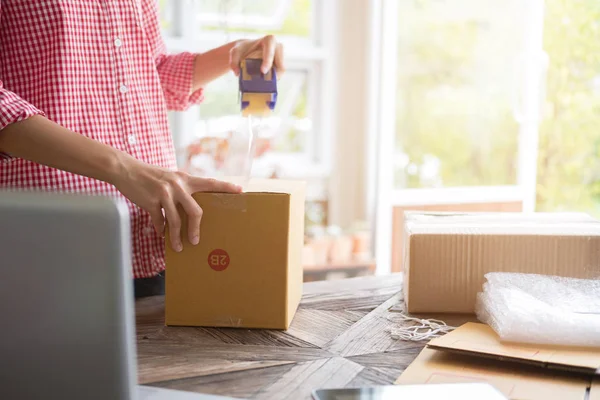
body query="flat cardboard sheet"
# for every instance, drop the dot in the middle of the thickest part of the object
(474, 353)
(481, 340)
(515, 381)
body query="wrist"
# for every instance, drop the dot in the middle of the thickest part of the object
(116, 167)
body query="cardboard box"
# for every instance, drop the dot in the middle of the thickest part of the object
(447, 255)
(473, 353)
(247, 269)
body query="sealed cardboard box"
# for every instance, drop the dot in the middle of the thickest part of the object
(446, 256)
(474, 353)
(247, 269)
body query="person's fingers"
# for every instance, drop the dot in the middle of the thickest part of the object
(268, 47)
(158, 220)
(279, 64)
(194, 217)
(241, 51)
(174, 222)
(212, 185)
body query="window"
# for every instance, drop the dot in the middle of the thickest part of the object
(284, 134)
(457, 87)
(461, 93)
(279, 17)
(165, 11)
(288, 126)
(295, 136)
(458, 106)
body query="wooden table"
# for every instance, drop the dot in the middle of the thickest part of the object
(339, 338)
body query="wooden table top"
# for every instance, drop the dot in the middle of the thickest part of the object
(339, 338)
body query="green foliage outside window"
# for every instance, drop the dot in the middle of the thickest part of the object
(569, 151)
(437, 100)
(456, 82)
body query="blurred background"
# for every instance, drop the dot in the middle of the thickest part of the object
(394, 105)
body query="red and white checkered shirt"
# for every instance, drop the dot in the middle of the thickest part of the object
(100, 69)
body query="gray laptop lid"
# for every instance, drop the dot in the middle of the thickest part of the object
(65, 298)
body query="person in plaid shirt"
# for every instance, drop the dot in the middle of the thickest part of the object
(84, 91)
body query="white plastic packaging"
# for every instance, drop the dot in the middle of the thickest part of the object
(225, 155)
(237, 166)
(539, 309)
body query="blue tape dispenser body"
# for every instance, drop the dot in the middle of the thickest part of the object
(258, 91)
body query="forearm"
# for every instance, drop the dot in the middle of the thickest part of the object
(42, 141)
(211, 65)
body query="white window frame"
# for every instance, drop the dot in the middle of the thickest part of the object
(313, 55)
(382, 76)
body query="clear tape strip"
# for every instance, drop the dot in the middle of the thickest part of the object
(229, 201)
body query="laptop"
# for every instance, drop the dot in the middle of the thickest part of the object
(66, 301)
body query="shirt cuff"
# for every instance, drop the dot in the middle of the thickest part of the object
(177, 75)
(14, 109)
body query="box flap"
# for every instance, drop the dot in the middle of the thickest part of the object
(576, 224)
(506, 229)
(481, 340)
(275, 186)
(520, 382)
(259, 185)
(539, 217)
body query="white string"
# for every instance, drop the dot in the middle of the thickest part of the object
(416, 329)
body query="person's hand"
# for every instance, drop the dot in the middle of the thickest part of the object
(272, 54)
(155, 189)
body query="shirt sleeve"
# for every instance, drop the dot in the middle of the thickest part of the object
(176, 71)
(13, 109)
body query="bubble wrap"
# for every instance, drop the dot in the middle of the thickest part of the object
(539, 309)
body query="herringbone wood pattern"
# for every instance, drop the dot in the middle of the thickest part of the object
(338, 338)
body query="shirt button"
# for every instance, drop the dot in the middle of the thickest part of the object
(123, 89)
(131, 139)
(118, 42)
(148, 231)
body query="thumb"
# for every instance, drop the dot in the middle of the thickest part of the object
(235, 57)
